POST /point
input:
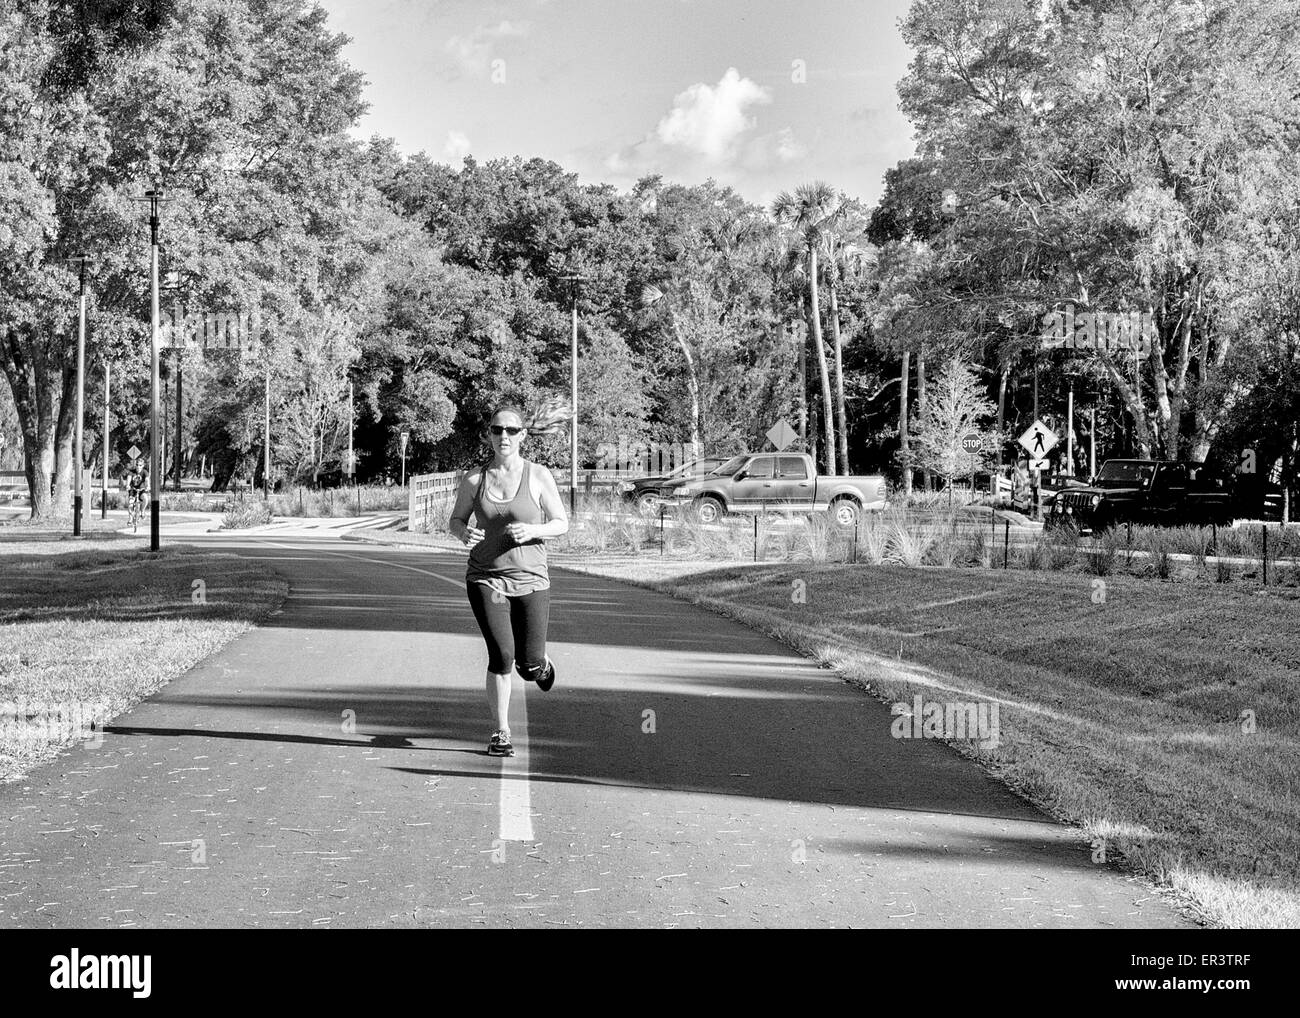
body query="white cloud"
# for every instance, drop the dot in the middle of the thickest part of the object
(457, 146)
(711, 132)
(707, 120)
(473, 53)
(775, 149)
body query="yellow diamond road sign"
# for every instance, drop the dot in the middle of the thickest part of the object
(1038, 440)
(781, 435)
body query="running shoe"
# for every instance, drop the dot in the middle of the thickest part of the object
(499, 745)
(547, 680)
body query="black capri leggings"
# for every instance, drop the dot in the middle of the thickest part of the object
(509, 623)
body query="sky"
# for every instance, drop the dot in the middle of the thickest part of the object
(759, 94)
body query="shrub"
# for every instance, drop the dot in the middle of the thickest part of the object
(818, 536)
(944, 547)
(1197, 540)
(775, 543)
(631, 531)
(1033, 555)
(1102, 560)
(907, 546)
(249, 513)
(978, 549)
(597, 530)
(1062, 549)
(873, 539)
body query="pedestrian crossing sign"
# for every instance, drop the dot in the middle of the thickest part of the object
(1038, 440)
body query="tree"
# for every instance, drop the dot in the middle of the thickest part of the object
(845, 239)
(237, 109)
(1119, 175)
(957, 407)
(806, 212)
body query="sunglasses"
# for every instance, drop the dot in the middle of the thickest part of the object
(498, 429)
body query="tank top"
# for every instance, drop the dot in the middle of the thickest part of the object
(497, 561)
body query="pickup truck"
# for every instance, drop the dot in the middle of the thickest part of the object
(1154, 492)
(779, 482)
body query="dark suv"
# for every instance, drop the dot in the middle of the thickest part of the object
(1156, 492)
(646, 492)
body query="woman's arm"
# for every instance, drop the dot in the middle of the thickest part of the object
(557, 520)
(458, 526)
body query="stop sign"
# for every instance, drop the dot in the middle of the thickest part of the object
(970, 443)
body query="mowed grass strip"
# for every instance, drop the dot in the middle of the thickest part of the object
(98, 629)
(1126, 705)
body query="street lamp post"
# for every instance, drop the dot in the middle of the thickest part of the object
(77, 495)
(154, 197)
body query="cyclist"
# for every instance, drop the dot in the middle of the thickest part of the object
(136, 482)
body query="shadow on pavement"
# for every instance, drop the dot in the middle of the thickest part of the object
(755, 743)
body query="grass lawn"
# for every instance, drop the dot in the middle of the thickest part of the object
(89, 628)
(1125, 708)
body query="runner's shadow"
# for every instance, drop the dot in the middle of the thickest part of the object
(740, 730)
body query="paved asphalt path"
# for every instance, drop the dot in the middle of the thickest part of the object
(329, 769)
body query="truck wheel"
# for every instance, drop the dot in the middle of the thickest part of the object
(645, 503)
(710, 510)
(845, 512)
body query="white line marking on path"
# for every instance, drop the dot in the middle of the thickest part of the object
(515, 813)
(515, 794)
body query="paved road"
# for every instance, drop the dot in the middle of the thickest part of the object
(329, 770)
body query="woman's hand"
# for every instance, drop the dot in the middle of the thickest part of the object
(471, 536)
(522, 533)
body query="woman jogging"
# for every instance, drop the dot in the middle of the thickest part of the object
(515, 506)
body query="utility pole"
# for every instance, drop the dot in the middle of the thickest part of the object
(573, 402)
(266, 444)
(180, 405)
(352, 466)
(103, 491)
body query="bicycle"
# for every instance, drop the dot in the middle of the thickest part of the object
(134, 506)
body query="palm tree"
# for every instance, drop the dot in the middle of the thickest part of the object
(846, 247)
(806, 212)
